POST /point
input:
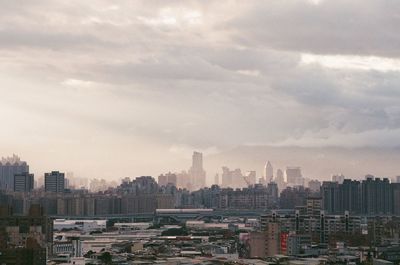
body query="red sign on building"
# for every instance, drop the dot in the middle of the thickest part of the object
(284, 239)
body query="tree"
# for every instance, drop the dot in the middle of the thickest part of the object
(106, 258)
(88, 254)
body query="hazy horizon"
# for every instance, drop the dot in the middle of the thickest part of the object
(121, 89)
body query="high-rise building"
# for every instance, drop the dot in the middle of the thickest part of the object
(376, 196)
(273, 192)
(23, 182)
(314, 185)
(350, 196)
(338, 178)
(280, 180)
(294, 176)
(183, 180)
(233, 178)
(396, 198)
(216, 179)
(10, 166)
(54, 182)
(165, 179)
(373, 196)
(268, 172)
(330, 197)
(196, 172)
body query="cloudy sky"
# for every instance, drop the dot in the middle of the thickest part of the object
(125, 88)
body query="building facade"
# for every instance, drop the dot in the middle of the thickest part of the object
(54, 182)
(9, 167)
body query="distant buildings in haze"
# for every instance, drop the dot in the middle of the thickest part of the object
(165, 179)
(268, 172)
(196, 172)
(294, 176)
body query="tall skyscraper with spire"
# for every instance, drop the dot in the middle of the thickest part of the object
(269, 172)
(196, 172)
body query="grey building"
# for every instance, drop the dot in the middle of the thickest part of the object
(372, 196)
(10, 166)
(23, 182)
(376, 196)
(54, 182)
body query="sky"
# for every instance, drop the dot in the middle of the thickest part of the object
(125, 88)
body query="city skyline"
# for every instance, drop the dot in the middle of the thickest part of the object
(131, 88)
(13, 170)
(222, 132)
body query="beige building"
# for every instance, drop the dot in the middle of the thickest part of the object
(272, 239)
(257, 244)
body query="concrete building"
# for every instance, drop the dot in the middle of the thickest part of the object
(376, 196)
(232, 178)
(314, 206)
(294, 176)
(296, 243)
(196, 172)
(54, 182)
(29, 238)
(9, 167)
(23, 182)
(272, 239)
(314, 185)
(257, 244)
(168, 178)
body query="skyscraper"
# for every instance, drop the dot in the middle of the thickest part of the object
(196, 172)
(54, 182)
(23, 182)
(10, 166)
(269, 172)
(169, 178)
(293, 176)
(280, 180)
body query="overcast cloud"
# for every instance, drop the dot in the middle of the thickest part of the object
(122, 88)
